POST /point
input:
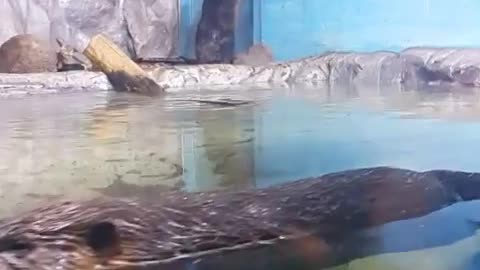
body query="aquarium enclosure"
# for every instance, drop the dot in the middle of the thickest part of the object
(240, 134)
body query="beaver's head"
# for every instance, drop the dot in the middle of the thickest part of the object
(90, 235)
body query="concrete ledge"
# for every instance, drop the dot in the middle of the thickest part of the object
(414, 68)
(18, 85)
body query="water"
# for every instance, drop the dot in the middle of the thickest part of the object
(83, 145)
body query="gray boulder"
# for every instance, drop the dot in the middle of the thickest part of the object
(26, 54)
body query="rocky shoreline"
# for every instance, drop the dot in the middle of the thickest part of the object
(416, 68)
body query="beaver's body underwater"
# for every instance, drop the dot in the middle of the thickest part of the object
(180, 229)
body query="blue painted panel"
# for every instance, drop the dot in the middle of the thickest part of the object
(244, 26)
(297, 28)
(190, 12)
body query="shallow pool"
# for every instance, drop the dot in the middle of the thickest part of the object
(87, 144)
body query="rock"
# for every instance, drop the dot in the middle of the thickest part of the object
(26, 54)
(460, 65)
(27, 84)
(153, 27)
(142, 28)
(382, 70)
(68, 58)
(258, 54)
(402, 69)
(378, 71)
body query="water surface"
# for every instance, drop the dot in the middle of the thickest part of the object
(83, 145)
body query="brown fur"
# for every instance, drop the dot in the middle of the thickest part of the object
(177, 229)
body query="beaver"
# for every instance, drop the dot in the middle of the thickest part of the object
(26, 53)
(180, 229)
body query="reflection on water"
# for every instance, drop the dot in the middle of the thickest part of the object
(84, 145)
(224, 152)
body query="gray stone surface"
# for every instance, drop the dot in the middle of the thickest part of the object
(413, 69)
(153, 26)
(416, 68)
(143, 28)
(19, 85)
(450, 64)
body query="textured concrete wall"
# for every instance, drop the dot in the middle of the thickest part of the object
(294, 28)
(143, 28)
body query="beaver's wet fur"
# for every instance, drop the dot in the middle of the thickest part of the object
(179, 229)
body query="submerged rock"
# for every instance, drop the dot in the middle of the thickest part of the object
(26, 54)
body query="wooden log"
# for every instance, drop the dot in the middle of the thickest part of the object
(122, 72)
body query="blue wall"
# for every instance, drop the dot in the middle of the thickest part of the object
(190, 11)
(296, 28)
